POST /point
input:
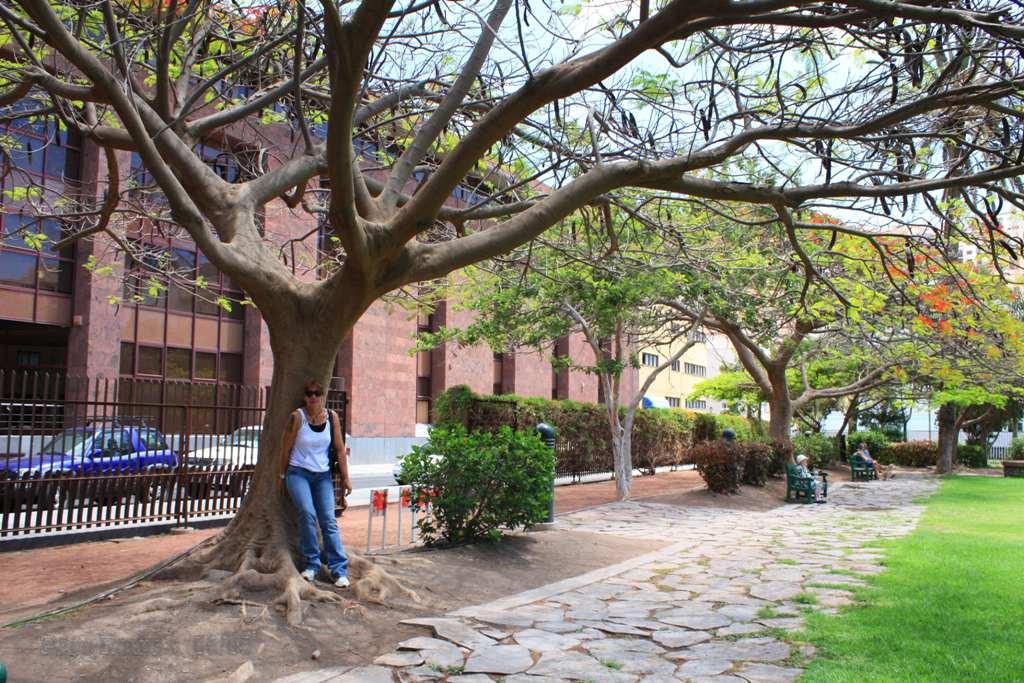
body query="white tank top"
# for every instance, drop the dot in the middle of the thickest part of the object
(310, 449)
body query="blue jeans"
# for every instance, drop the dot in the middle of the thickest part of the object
(313, 495)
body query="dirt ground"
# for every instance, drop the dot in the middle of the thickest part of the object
(126, 639)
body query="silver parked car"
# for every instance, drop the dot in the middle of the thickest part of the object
(240, 448)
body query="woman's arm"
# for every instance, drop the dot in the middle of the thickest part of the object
(288, 440)
(338, 438)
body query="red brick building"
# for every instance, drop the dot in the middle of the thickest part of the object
(55, 314)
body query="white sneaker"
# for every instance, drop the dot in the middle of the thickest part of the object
(308, 574)
(342, 582)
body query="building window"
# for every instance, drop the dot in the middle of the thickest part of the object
(196, 288)
(425, 322)
(497, 384)
(150, 361)
(699, 404)
(127, 359)
(22, 265)
(181, 364)
(230, 368)
(696, 370)
(39, 158)
(673, 402)
(205, 366)
(649, 359)
(675, 366)
(32, 359)
(698, 336)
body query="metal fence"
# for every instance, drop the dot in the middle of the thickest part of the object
(78, 453)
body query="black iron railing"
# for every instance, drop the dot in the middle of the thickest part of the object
(78, 453)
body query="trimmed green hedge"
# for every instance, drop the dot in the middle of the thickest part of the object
(913, 454)
(926, 454)
(661, 436)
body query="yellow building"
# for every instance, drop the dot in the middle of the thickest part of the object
(672, 387)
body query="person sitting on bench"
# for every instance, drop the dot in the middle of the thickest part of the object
(803, 472)
(884, 471)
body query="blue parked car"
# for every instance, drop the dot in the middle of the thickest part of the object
(103, 447)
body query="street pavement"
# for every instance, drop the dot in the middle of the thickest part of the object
(714, 606)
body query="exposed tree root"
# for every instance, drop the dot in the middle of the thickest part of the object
(373, 584)
(253, 555)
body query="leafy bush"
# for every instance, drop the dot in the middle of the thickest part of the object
(705, 428)
(720, 464)
(912, 454)
(878, 445)
(819, 449)
(1017, 449)
(479, 483)
(972, 455)
(757, 461)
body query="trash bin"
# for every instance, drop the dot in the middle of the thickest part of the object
(547, 434)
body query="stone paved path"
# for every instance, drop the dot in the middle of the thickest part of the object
(713, 606)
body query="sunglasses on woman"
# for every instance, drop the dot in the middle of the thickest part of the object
(314, 392)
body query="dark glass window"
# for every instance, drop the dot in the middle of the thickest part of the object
(54, 277)
(150, 360)
(179, 364)
(127, 359)
(206, 365)
(18, 269)
(231, 367)
(179, 295)
(28, 358)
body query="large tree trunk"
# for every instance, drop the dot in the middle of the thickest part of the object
(260, 545)
(948, 438)
(622, 451)
(780, 422)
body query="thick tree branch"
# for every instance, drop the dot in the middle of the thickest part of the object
(429, 131)
(873, 379)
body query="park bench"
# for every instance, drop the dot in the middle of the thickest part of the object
(861, 469)
(801, 489)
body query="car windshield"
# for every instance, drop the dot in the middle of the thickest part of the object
(69, 442)
(247, 436)
(152, 440)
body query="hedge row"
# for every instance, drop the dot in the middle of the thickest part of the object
(661, 436)
(920, 453)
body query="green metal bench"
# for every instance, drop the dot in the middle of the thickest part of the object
(860, 469)
(801, 489)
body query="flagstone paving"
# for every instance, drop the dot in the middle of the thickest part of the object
(713, 606)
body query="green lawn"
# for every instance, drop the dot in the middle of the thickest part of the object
(949, 607)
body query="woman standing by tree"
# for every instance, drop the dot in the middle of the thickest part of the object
(306, 472)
